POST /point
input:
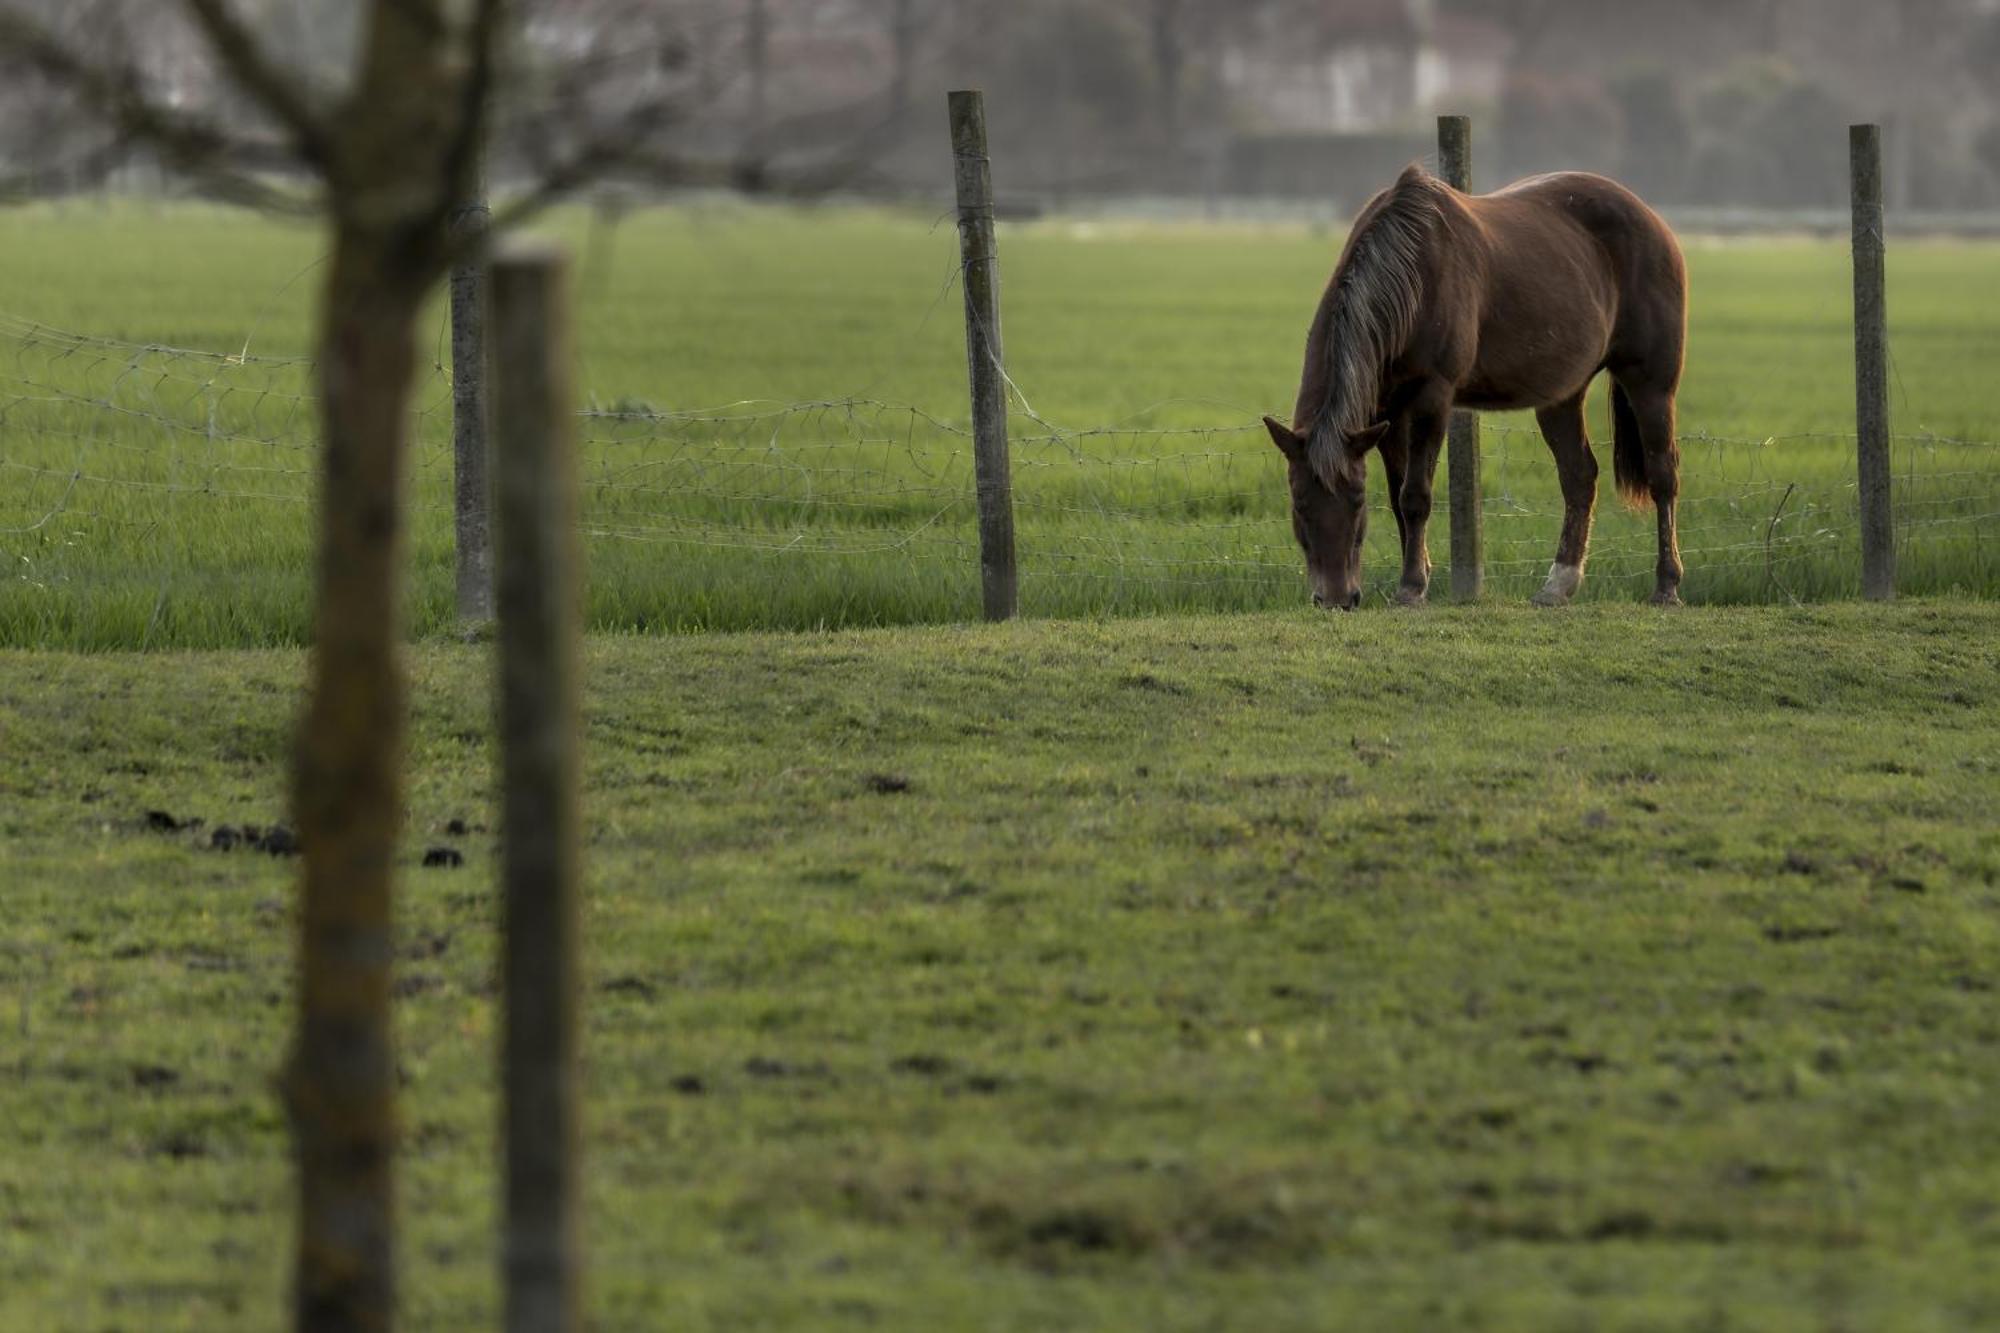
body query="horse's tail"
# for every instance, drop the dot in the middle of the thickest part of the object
(1628, 454)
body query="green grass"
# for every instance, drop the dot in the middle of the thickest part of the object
(1486, 969)
(1466, 969)
(154, 499)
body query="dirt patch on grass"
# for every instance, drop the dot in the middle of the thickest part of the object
(1795, 933)
(1059, 1222)
(768, 1067)
(272, 840)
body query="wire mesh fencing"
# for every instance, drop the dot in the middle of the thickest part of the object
(152, 494)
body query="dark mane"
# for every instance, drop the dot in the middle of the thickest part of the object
(1367, 314)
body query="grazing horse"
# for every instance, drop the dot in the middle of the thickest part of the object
(1514, 299)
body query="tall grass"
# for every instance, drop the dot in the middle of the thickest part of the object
(156, 474)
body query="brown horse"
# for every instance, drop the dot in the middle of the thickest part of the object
(1514, 299)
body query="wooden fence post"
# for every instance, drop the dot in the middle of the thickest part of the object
(1871, 365)
(979, 271)
(1468, 572)
(539, 631)
(469, 417)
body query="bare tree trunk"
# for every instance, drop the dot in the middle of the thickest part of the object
(1169, 56)
(349, 803)
(903, 39)
(397, 155)
(398, 179)
(757, 51)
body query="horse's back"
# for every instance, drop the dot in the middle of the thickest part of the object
(1601, 206)
(1633, 236)
(1642, 261)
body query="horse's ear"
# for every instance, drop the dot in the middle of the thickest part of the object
(1361, 441)
(1288, 441)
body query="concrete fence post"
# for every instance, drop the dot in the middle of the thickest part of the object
(1468, 573)
(469, 418)
(1871, 365)
(540, 627)
(985, 359)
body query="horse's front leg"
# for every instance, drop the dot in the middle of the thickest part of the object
(1422, 426)
(1395, 467)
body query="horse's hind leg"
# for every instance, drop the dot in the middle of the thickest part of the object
(1576, 467)
(1653, 409)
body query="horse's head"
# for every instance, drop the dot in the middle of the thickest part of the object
(1329, 509)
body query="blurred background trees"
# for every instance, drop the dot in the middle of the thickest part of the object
(1701, 101)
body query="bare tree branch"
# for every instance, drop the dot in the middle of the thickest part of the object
(92, 166)
(619, 150)
(425, 17)
(114, 91)
(603, 152)
(482, 39)
(278, 91)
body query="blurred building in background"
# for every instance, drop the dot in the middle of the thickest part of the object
(1700, 102)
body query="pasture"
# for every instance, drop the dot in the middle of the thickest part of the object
(776, 438)
(1123, 967)
(1486, 969)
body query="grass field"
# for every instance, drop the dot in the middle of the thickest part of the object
(1479, 969)
(162, 499)
(1474, 968)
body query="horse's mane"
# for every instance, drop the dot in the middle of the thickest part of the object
(1368, 314)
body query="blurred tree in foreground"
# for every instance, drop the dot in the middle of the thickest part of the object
(392, 145)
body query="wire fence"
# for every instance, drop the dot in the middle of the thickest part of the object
(136, 479)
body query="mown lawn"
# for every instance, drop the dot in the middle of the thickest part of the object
(1467, 969)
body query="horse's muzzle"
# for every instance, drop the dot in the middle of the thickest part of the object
(1353, 601)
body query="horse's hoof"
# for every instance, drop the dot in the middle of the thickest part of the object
(1667, 597)
(1562, 583)
(1411, 597)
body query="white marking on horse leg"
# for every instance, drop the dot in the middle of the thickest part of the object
(1562, 584)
